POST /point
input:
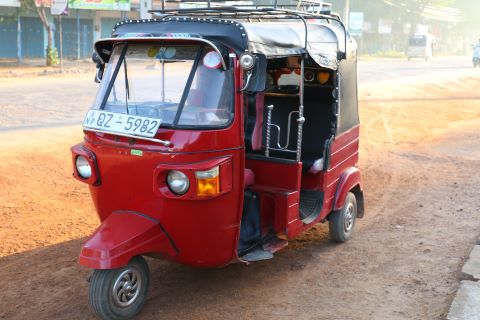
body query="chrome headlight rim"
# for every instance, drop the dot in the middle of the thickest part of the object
(178, 182)
(247, 61)
(83, 167)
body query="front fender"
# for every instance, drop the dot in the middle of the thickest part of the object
(123, 235)
(348, 181)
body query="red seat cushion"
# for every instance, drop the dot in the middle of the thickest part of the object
(257, 129)
(249, 178)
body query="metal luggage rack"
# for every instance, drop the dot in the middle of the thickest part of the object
(260, 13)
(216, 8)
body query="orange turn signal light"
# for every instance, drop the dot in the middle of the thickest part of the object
(208, 182)
(323, 77)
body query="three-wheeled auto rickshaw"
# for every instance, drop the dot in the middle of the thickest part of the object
(420, 46)
(217, 135)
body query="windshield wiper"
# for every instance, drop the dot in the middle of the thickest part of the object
(114, 76)
(127, 88)
(187, 86)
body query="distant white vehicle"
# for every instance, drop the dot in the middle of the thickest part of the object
(420, 46)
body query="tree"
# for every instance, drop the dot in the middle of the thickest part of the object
(39, 8)
(470, 11)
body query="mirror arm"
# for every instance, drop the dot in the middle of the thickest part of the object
(249, 76)
(99, 72)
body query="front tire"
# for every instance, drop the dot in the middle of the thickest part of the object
(342, 222)
(119, 294)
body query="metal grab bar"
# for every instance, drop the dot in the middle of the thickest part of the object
(280, 147)
(269, 123)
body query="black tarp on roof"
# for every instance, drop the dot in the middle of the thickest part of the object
(272, 38)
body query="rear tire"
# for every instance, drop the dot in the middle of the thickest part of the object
(119, 294)
(342, 222)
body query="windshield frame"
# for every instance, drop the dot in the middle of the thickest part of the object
(202, 46)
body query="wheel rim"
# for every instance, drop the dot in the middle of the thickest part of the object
(127, 287)
(349, 218)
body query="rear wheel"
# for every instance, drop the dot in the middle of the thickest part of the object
(342, 222)
(119, 293)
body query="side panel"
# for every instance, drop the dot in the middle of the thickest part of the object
(348, 113)
(344, 155)
(275, 174)
(277, 184)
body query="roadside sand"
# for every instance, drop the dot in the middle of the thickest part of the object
(420, 152)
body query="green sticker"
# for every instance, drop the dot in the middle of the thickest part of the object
(135, 152)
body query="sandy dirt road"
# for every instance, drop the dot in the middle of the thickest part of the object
(420, 153)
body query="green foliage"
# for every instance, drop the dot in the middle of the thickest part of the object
(52, 57)
(27, 6)
(8, 19)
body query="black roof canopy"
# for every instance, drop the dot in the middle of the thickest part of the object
(281, 34)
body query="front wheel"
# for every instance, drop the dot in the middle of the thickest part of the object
(119, 293)
(341, 222)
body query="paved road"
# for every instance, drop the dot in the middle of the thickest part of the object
(63, 100)
(391, 69)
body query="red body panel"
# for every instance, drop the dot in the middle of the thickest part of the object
(279, 185)
(344, 155)
(204, 230)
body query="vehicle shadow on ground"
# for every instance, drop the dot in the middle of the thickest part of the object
(48, 283)
(182, 292)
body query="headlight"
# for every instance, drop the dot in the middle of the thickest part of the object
(178, 182)
(83, 167)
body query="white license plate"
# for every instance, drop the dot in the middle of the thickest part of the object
(121, 123)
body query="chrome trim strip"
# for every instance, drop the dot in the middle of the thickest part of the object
(166, 143)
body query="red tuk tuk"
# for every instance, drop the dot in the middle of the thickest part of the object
(214, 140)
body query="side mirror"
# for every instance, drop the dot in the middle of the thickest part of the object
(100, 67)
(256, 68)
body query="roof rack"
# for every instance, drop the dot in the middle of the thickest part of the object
(310, 9)
(315, 6)
(304, 10)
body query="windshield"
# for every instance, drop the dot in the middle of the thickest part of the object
(181, 85)
(418, 41)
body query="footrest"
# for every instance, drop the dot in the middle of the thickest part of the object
(274, 244)
(257, 255)
(265, 250)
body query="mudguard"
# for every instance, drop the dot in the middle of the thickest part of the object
(123, 235)
(349, 181)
